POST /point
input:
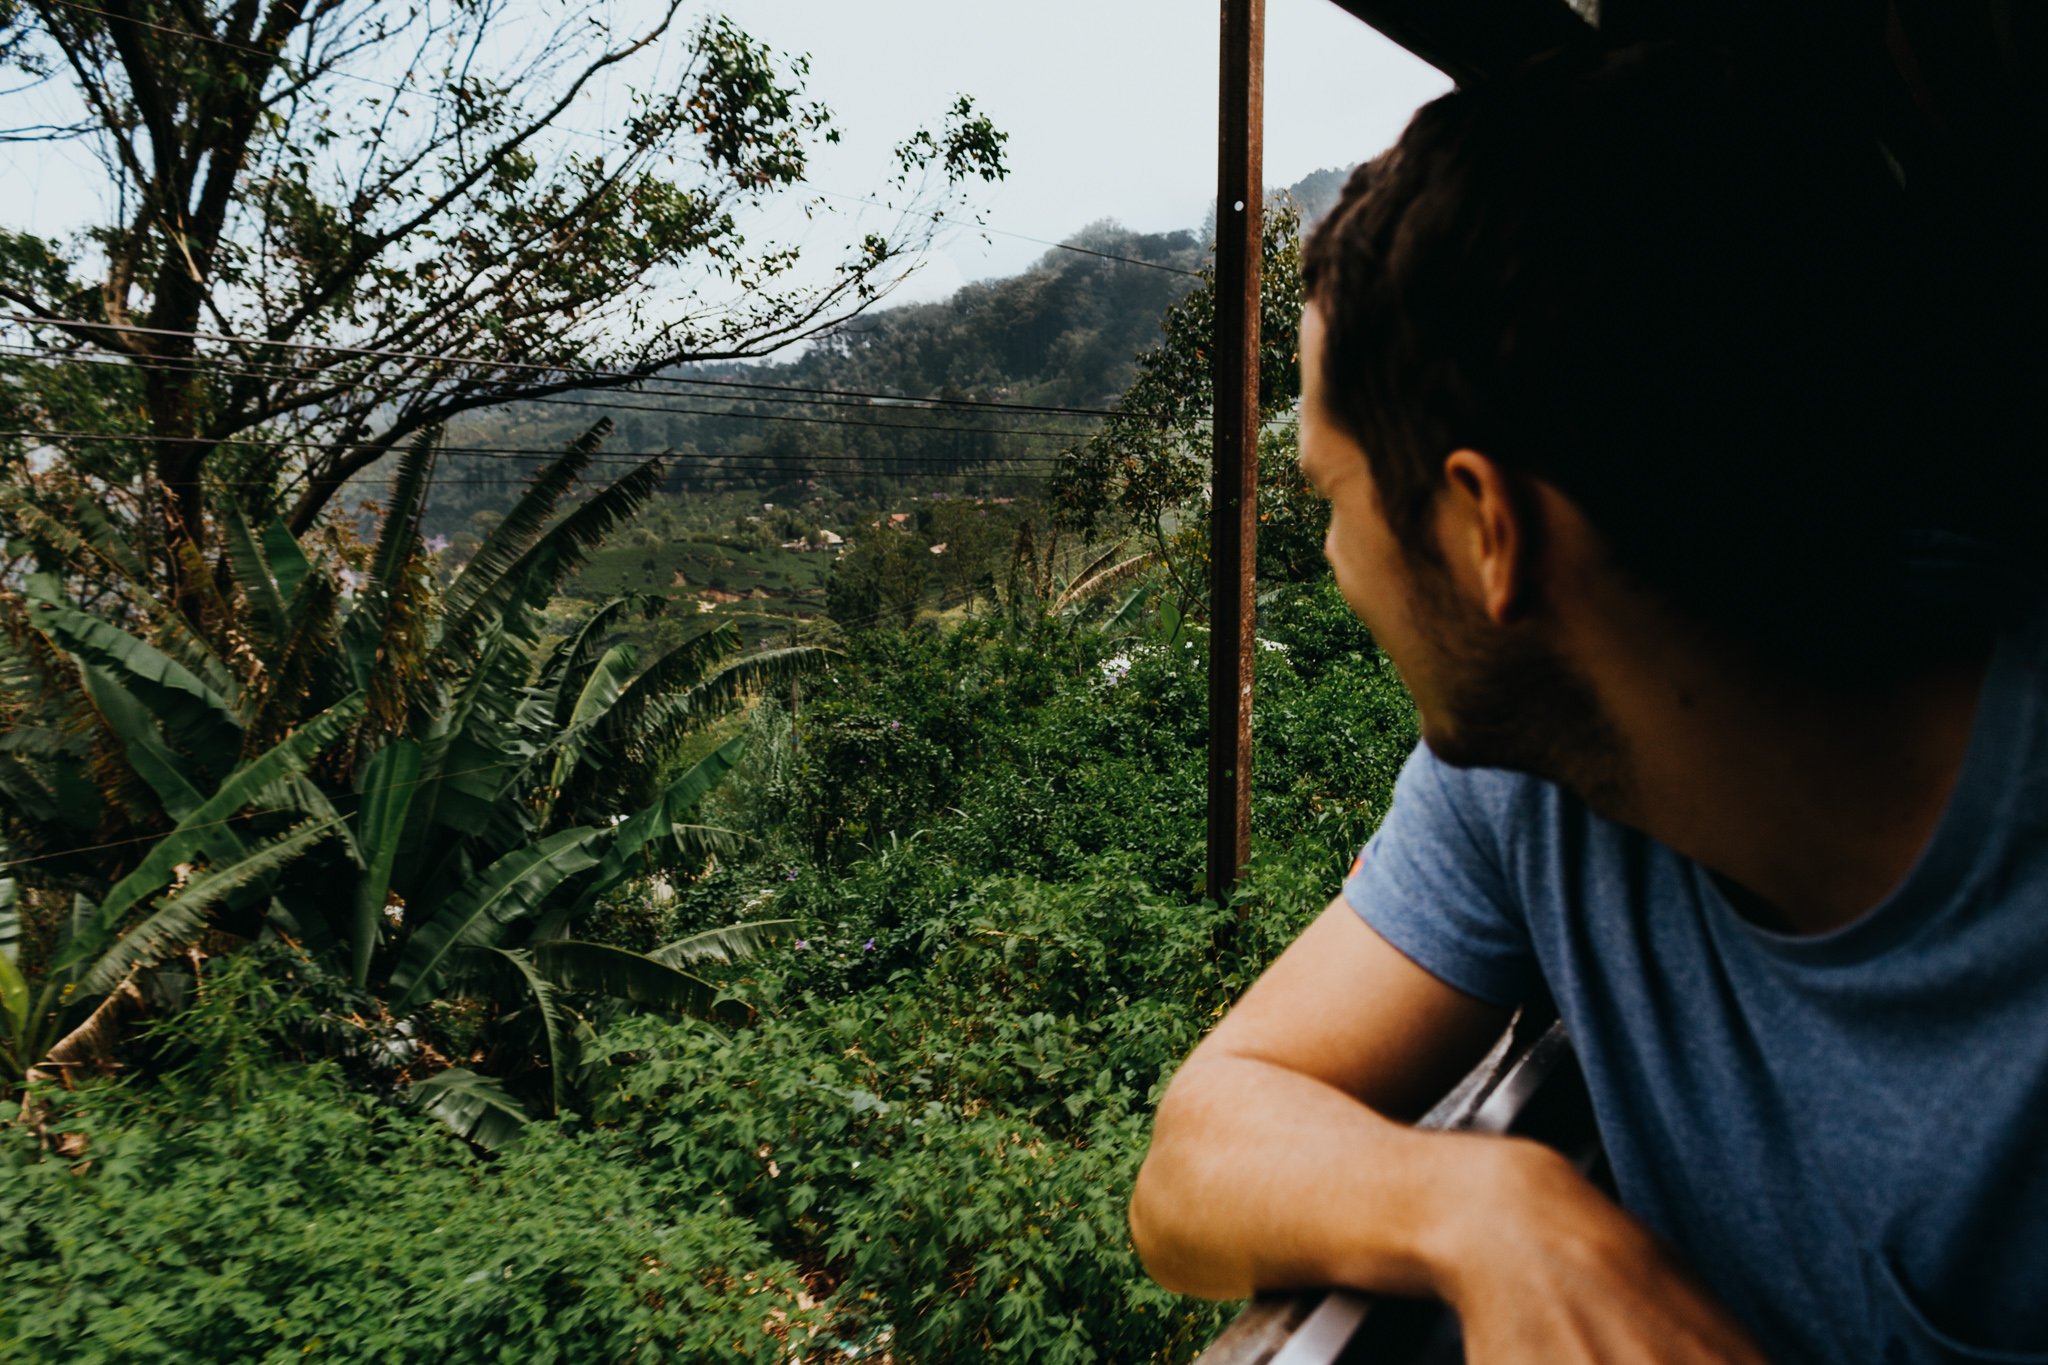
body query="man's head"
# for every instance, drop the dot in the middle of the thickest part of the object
(1671, 294)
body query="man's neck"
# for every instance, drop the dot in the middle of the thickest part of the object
(1813, 801)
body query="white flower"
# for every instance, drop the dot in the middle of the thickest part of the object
(1116, 668)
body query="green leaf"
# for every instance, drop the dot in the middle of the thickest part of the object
(10, 918)
(397, 543)
(559, 1021)
(561, 677)
(648, 726)
(600, 969)
(600, 690)
(13, 987)
(182, 914)
(290, 755)
(288, 562)
(191, 712)
(507, 544)
(141, 742)
(389, 780)
(476, 1108)
(478, 744)
(13, 999)
(528, 583)
(733, 944)
(510, 889)
(634, 841)
(252, 571)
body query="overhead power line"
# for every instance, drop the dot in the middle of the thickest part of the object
(247, 369)
(505, 452)
(566, 370)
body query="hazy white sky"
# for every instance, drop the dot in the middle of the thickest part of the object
(1110, 106)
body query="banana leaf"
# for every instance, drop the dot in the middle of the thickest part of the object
(465, 764)
(569, 662)
(180, 917)
(558, 1021)
(252, 572)
(600, 690)
(194, 714)
(528, 582)
(397, 543)
(389, 780)
(600, 969)
(10, 918)
(14, 1005)
(287, 560)
(292, 754)
(141, 743)
(476, 1108)
(463, 618)
(646, 726)
(733, 944)
(512, 888)
(635, 843)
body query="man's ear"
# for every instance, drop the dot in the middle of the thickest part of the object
(1488, 529)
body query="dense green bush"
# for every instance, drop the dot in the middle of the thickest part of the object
(990, 841)
(298, 1219)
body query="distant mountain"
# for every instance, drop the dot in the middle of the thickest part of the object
(1061, 334)
(1317, 191)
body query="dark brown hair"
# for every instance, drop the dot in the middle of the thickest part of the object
(1678, 291)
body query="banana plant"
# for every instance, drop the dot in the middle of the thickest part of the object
(478, 789)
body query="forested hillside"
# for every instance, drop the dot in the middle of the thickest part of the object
(1063, 334)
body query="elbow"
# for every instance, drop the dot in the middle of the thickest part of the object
(1167, 1240)
(1147, 1236)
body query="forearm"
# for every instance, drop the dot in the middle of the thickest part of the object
(1263, 1178)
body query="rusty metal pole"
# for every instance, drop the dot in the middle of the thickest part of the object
(1233, 505)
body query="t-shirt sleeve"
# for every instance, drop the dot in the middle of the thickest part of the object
(1433, 882)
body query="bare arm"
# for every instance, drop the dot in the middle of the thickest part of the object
(1281, 1158)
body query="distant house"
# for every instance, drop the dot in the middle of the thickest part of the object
(823, 540)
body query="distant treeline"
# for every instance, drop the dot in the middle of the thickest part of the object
(1061, 335)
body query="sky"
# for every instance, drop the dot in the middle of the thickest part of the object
(1110, 106)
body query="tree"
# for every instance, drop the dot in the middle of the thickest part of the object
(356, 191)
(1147, 470)
(880, 582)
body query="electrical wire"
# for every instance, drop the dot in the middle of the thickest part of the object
(257, 371)
(621, 377)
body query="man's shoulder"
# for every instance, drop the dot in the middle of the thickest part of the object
(1495, 807)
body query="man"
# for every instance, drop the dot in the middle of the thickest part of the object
(1613, 379)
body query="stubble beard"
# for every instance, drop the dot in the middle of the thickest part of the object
(1507, 699)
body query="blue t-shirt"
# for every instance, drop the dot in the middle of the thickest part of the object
(1845, 1135)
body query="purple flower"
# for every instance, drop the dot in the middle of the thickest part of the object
(895, 725)
(868, 947)
(803, 944)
